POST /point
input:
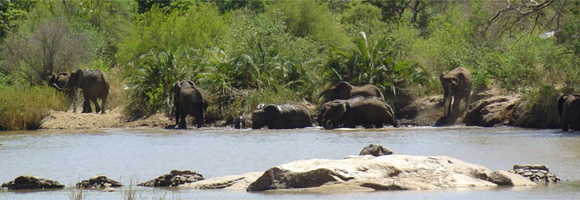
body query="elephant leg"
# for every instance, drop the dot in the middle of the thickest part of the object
(87, 105)
(74, 103)
(198, 115)
(467, 96)
(97, 107)
(103, 103)
(379, 125)
(456, 106)
(177, 113)
(199, 121)
(182, 123)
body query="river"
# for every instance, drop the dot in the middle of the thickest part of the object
(137, 155)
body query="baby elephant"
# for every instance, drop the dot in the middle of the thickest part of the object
(365, 111)
(285, 116)
(569, 111)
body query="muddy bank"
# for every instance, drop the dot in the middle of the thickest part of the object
(112, 119)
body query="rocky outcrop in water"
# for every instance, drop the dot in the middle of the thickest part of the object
(492, 111)
(393, 172)
(367, 173)
(99, 182)
(536, 173)
(31, 182)
(173, 179)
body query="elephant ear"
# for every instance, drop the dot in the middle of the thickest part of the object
(561, 99)
(272, 111)
(176, 90)
(338, 110)
(80, 75)
(443, 74)
(344, 90)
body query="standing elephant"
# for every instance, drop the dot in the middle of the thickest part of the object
(95, 84)
(59, 81)
(456, 86)
(189, 99)
(365, 111)
(345, 90)
(285, 116)
(569, 111)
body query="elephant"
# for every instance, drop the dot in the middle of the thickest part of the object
(345, 90)
(456, 86)
(95, 84)
(569, 111)
(59, 81)
(285, 116)
(365, 111)
(188, 99)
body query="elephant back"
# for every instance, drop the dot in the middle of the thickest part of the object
(287, 116)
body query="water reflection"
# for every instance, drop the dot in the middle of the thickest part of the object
(133, 156)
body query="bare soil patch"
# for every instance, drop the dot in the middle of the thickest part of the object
(112, 119)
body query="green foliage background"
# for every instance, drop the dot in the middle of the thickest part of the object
(248, 52)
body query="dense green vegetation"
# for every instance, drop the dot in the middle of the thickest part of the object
(247, 52)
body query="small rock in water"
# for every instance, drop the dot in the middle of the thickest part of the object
(173, 179)
(98, 182)
(31, 182)
(536, 173)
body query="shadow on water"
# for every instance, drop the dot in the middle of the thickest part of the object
(137, 155)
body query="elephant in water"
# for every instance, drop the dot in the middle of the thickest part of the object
(285, 116)
(95, 84)
(59, 81)
(456, 86)
(345, 90)
(365, 111)
(188, 99)
(569, 111)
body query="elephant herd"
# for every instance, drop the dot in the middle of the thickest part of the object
(345, 105)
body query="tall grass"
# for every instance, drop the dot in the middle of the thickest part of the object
(23, 108)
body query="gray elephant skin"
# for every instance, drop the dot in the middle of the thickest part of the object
(191, 100)
(569, 111)
(457, 87)
(365, 111)
(285, 116)
(345, 90)
(59, 81)
(95, 85)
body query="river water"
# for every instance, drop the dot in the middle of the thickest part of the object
(133, 156)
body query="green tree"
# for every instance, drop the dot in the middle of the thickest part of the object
(166, 47)
(10, 11)
(309, 19)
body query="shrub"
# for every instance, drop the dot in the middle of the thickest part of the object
(539, 109)
(24, 108)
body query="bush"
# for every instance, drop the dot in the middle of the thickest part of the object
(24, 108)
(539, 109)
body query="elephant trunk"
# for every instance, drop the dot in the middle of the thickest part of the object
(447, 102)
(323, 93)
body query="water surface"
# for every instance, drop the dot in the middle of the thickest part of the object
(134, 156)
